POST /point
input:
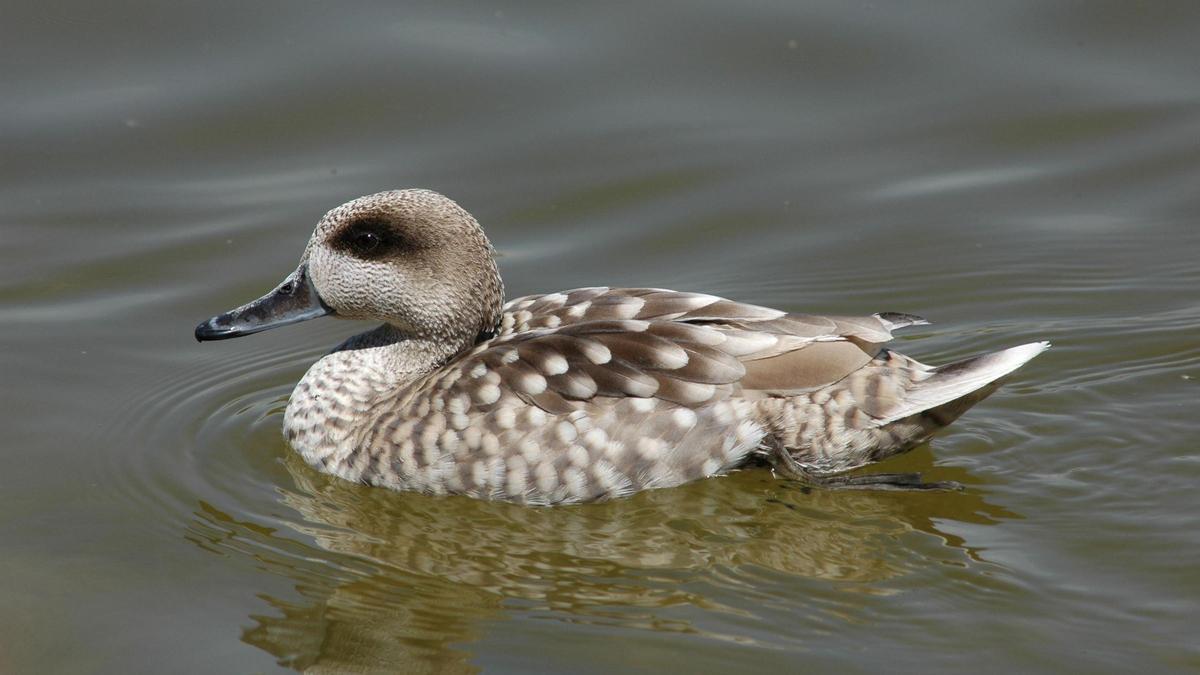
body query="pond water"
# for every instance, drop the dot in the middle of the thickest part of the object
(1012, 171)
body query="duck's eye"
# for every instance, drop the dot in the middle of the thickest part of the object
(365, 242)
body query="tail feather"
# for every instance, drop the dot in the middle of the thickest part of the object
(955, 381)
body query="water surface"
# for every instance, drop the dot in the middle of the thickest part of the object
(1014, 172)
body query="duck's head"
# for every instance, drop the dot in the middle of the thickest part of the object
(410, 258)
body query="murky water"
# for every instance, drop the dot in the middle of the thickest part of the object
(1018, 172)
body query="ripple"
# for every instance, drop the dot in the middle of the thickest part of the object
(209, 430)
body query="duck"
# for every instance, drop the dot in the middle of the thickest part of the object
(588, 394)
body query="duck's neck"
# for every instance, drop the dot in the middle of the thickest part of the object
(332, 405)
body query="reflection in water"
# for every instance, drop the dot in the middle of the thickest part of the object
(403, 580)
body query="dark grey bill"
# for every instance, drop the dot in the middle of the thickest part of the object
(292, 301)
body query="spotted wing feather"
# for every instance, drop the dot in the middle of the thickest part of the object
(578, 362)
(682, 340)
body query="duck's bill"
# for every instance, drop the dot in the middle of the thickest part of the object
(292, 301)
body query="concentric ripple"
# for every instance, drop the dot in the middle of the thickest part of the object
(207, 432)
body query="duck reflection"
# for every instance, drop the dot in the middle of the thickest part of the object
(403, 581)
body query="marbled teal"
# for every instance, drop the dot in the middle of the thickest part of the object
(586, 394)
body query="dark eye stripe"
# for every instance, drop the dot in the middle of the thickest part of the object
(369, 239)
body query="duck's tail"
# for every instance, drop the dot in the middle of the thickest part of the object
(939, 396)
(948, 391)
(885, 408)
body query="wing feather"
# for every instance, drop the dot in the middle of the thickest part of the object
(561, 350)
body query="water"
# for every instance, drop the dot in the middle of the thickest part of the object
(1013, 171)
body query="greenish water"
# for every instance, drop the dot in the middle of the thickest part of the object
(1012, 171)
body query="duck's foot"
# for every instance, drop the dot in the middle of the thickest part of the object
(785, 465)
(882, 481)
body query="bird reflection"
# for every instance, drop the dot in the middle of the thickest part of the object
(406, 582)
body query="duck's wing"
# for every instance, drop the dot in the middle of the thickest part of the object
(680, 339)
